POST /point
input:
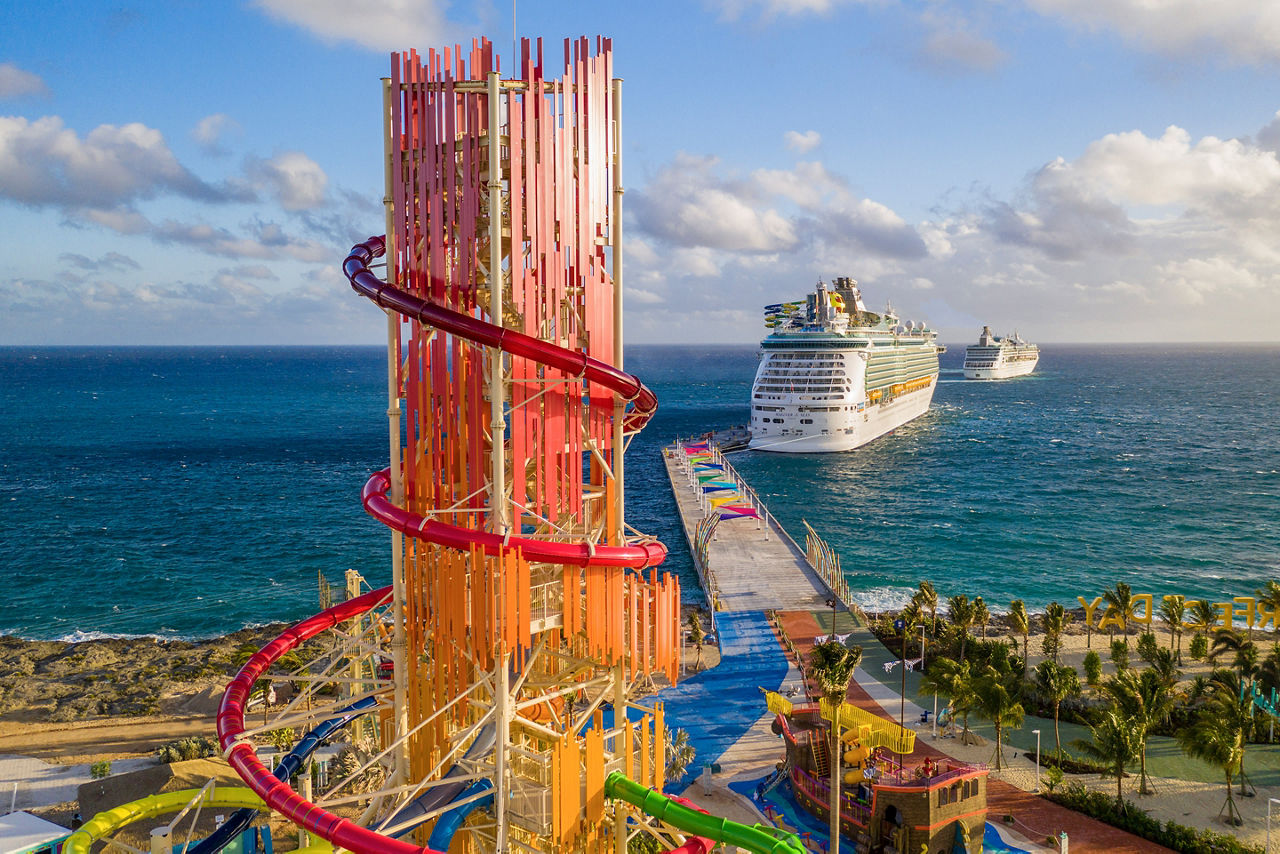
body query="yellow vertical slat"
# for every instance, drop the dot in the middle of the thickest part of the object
(645, 723)
(659, 748)
(628, 751)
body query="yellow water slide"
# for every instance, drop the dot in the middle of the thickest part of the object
(109, 821)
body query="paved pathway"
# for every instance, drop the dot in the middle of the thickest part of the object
(40, 784)
(755, 570)
(717, 707)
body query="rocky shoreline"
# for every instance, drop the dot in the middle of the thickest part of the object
(57, 682)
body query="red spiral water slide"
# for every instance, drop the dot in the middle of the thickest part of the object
(240, 754)
(643, 401)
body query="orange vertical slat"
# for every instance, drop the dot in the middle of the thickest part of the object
(594, 767)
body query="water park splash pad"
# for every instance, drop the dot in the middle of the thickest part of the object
(488, 692)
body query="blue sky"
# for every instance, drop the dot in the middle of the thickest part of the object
(1083, 170)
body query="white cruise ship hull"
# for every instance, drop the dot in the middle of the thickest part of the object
(1002, 371)
(845, 431)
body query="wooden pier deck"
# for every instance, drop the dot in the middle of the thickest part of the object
(750, 566)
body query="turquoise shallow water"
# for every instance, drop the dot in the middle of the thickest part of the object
(189, 492)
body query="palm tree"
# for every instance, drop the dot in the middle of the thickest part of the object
(1115, 744)
(981, 615)
(1120, 600)
(1232, 700)
(1211, 738)
(953, 681)
(1202, 616)
(1162, 663)
(1269, 596)
(1055, 683)
(1269, 671)
(1055, 622)
(960, 612)
(696, 637)
(928, 599)
(831, 665)
(1145, 700)
(1172, 611)
(999, 701)
(680, 754)
(1020, 624)
(1244, 652)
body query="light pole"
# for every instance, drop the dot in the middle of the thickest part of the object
(901, 626)
(1267, 848)
(1037, 788)
(831, 601)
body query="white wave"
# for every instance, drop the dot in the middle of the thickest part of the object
(878, 599)
(80, 636)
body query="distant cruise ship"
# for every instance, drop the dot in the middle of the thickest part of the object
(995, 358)
(834, 376)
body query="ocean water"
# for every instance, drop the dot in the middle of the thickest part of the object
(188, 492)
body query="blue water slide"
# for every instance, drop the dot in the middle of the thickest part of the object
(447, 825)
(289, 765)
(411, 814)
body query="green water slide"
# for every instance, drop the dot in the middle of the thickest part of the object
(758, 838)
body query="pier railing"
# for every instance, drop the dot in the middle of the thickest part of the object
(817, 552)
(826, 563)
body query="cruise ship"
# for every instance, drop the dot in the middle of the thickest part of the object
(833, 376)
(995, 358)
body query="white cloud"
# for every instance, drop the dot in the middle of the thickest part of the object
(1269, 136)
(1247, 31)
(803, 142)
(734, 9)
(293, 178)
(639, 295)
(44, 163)
(230, 304)
(210, 131)
(111, 261)
(691, 205)
(688, 205)
(1193, 281)
(1131, 168)
(951, 50)
(383, 26)
(16, 83)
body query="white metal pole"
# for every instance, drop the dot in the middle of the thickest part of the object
(1037, 788)
(497, 424)
(615, 223)
(399, 641)
(502, 721)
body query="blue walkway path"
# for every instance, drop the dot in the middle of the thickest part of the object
(717, 706)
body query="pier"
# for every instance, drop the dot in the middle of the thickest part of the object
(745, 560)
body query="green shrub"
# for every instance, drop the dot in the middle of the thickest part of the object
(98, 770)
(1053, 778)
(1092, 667)
(1147, 647)
(187, 748)
(1199, 648)
(1120, 653)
